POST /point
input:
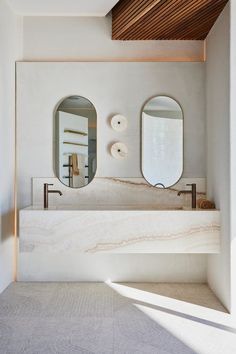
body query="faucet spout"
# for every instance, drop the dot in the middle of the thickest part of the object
(55, 191)
(46, 192)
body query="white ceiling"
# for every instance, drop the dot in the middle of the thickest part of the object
(62, 7)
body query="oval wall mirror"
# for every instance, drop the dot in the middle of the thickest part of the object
(75, 141)
(162, 141)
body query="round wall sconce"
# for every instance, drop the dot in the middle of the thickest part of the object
(119, 151)
(119, 123)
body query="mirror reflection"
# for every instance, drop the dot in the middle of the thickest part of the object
(162, 141)
(75, 141)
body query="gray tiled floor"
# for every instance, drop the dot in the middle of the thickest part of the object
(91, 318)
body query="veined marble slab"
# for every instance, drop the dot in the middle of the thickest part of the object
(118, 191)
(119, 231)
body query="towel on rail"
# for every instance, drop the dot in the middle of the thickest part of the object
(75, 165)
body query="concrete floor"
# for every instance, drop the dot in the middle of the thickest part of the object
(130, 318)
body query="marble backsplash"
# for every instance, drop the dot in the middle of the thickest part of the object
(117, 191)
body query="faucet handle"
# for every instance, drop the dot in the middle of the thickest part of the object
(194, 194)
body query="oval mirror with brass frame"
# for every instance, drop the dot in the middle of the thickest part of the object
(75, 141)
(162, 130)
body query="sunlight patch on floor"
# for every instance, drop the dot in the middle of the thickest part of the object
(194, 334)
(171, 304)
(194, 325)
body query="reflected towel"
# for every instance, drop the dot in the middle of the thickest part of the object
(75, 165)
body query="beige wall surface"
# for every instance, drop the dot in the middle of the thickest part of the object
(76, 38)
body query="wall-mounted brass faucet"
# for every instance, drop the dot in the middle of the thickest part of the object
(193, 192)
(46, 191)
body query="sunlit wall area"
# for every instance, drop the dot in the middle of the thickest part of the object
(10, 48)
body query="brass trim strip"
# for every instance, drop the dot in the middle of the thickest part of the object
(155, 59)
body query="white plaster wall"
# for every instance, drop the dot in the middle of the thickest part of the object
(218, 148)
(10, 40)
(112, 88)
(164, 268)
(76, 38)
(89, 39)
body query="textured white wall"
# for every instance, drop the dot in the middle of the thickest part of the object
(10, 39)
(76, 38)
(112, 88)
(218, 148)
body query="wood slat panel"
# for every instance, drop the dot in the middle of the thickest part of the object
(189, 28)
(191, 24)
(129, 18)
(164, 19)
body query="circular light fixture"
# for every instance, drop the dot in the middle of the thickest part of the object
(119, 123)
(119, 151)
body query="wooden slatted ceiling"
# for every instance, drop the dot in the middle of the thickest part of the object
(164, 19)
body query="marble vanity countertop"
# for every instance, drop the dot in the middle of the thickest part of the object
(114, 207)
(116, 229)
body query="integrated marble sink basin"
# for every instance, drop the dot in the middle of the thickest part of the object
(118, 229)
(105, 207)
